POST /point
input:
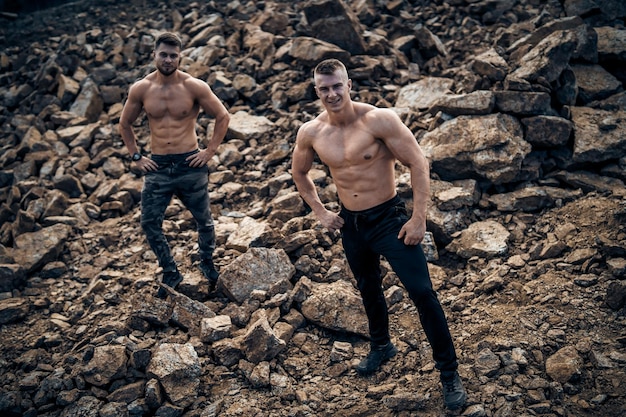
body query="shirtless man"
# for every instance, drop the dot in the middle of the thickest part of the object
(360, 144)
(172, 101)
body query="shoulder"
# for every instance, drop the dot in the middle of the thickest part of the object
(139, 87)
(384, 123)
(192, 82)
(311, 129)
(372, 113)
(377, 118)
(145, 81)
(314, 126)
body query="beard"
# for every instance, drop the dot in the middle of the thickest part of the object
(166, 71)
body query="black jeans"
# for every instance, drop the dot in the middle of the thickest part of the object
(175, 177)
(366, 236)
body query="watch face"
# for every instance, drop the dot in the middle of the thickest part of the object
(136, 156)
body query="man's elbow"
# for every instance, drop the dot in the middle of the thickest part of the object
(224, 117)
(297, 176)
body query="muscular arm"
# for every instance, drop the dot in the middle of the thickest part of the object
(401, 142)
(132, 109)
(130, 112)
(301, 163)
(211, 105)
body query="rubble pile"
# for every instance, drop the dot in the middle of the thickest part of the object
(520, 108)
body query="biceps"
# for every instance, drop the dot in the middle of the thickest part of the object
(301, 160)
(130, 113)
(209, 102)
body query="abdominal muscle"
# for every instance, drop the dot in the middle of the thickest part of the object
(175, 137)
(363, 190)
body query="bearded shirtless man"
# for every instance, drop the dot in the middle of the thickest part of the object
(172, 101)
(360, 145)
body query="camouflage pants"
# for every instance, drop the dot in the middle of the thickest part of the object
(175, 177)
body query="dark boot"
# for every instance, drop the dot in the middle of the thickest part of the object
(377, 356)
(210, 273)
(454, 395)
(171, 279)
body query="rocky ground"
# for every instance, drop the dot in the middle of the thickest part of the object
(519, 106)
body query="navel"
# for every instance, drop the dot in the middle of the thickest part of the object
(367, 156)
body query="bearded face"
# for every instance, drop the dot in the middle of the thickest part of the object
(166, 59)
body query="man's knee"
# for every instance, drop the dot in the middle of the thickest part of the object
(422, 295)
(151, 227)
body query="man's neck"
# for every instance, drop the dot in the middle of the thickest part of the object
(168, 79)
(346, 116)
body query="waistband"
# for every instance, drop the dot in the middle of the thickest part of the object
(382, 206)
(173, 157)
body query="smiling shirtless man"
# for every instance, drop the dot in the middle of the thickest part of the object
(172, 101)
(360, 145)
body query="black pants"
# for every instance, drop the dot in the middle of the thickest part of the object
(366, 236)
(175, 177)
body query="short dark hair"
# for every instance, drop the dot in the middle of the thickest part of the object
(168, 38)
(329, 66)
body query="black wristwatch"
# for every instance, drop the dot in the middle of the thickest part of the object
(136, 156)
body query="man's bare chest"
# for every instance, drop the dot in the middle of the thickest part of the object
(352, 147)
(170, 102)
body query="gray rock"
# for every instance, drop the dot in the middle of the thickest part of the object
(177, 367)
(88, 104)
(332, 21)
(611, 43)
(310, 51)
(493, 148)
(319, 307)
(530, 199)
(35, 249)
(521, 103)
(455, 195)
(189, 313)
(594, 83)
(424, 94)
(564, 364)
(87, 406)
(487, 363)
(258, 268)
(491, 65)
(486, 239)
(260, 343)
(245, 126)
(11, 276)
(547, 131)
(597, 134)
(13, 310)
(548, 59)
(477, 102)
(215, 328)
(107, 364)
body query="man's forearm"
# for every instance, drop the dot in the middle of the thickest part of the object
(308, 192)
(219, 133)
(128, 136)
(420, 184)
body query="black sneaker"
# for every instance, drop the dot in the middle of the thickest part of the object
(376, 357)
(171, 279)
(210, 273)
(454, 395)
